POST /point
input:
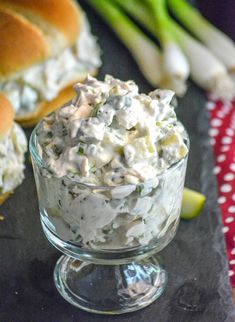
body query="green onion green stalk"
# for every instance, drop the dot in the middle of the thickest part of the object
(145, 51)
(219, 43)
(175, 64)
(206, 70)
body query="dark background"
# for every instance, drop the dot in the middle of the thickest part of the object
(220, 13)
(198, 287)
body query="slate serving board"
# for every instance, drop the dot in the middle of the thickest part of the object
(198, 287)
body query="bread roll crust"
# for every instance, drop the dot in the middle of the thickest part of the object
(21, 43)
(58, 20)
(4, 197)
(31, 32)
(6, 114)
(62, 14)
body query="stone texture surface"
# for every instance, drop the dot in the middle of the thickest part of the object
(198, 287)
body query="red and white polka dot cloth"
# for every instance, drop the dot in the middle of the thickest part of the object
(222, 134)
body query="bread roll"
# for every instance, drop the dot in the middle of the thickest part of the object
(13, 145)
(45, 108)
(6, 115)
(33, 31)
(41, 39)
(6, 122)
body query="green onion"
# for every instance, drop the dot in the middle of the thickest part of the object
(145, 52)
(205, 68)
(138, 10)
(175, 64)
(93, 169)
(81, 148)
(219, 43)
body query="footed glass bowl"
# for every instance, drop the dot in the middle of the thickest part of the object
(109, 235)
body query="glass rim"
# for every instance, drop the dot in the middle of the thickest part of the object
(39, 161)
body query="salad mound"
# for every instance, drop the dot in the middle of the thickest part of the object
(124, 137)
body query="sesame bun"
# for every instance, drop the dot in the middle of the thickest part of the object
(6, 115)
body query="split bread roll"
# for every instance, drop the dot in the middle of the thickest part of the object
(6, 115)
(13, 145)
(46, 46)
(45, 108)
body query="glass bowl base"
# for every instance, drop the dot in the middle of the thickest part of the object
(109, 289)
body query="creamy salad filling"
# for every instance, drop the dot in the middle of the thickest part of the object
(44, 82)
(113, 179)
(128, 138)
(13, 145)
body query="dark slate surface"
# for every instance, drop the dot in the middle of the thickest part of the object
(198, 287)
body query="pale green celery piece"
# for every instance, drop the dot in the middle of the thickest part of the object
(54, 211)
(205, 69)
(192, 204)
(149, 144)
(219, 43)
(145, 51)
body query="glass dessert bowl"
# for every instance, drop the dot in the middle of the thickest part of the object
(110, 233)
